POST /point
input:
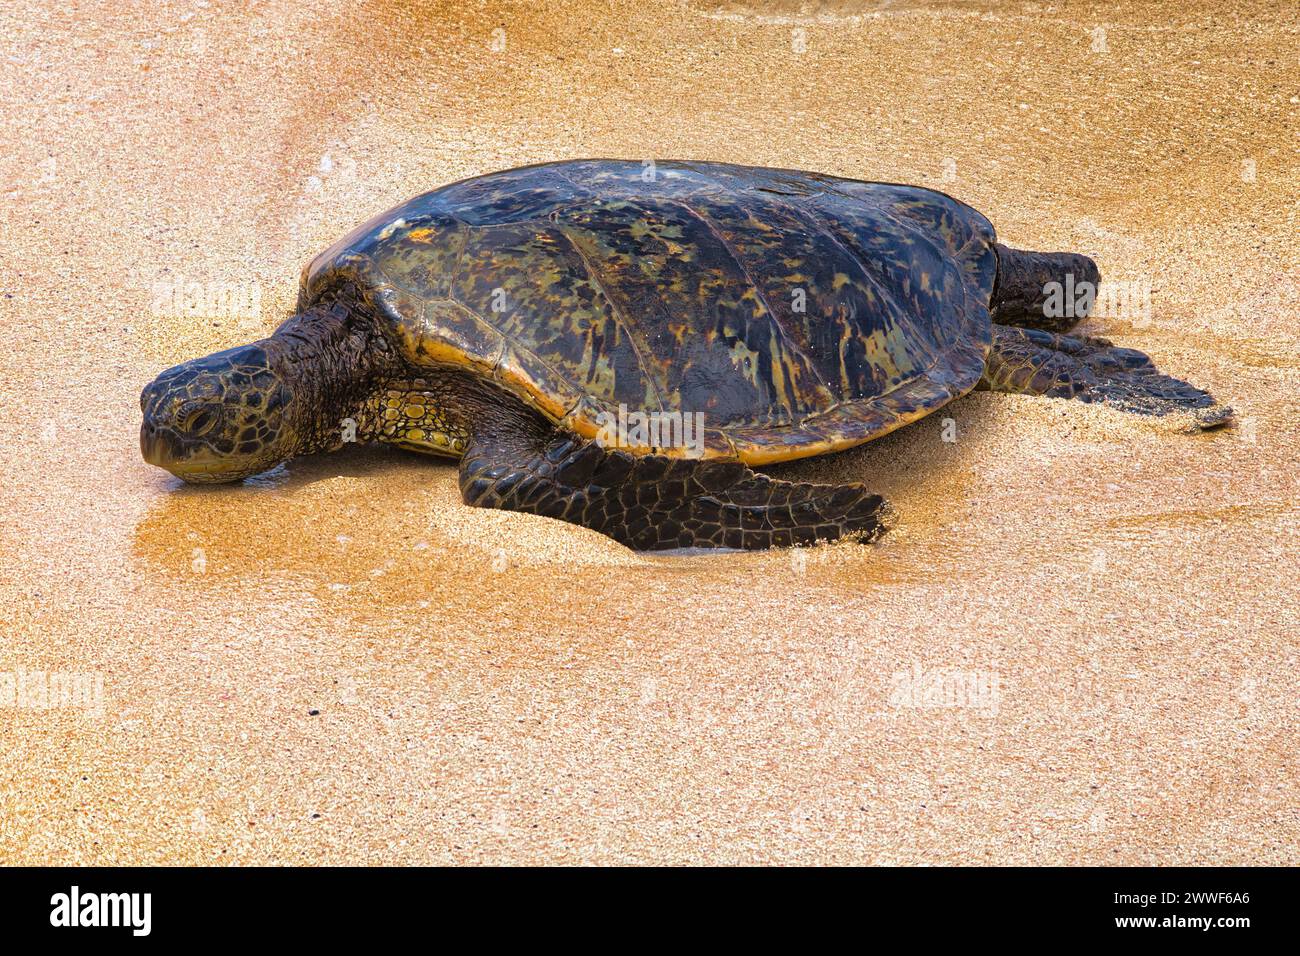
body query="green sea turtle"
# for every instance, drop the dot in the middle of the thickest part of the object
(617, 344)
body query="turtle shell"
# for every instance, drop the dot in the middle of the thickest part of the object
(800, 313)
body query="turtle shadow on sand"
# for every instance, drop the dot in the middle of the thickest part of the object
(295, 519)
(907, 466)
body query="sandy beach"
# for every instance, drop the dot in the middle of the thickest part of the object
(1077, 645)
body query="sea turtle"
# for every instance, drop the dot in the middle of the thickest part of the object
(617, 344)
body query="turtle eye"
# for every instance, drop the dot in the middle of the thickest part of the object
(198, 419)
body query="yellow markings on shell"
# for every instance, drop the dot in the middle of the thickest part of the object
(846, 333)
(600, 377)
(779, 368)
(745, 360)
(885, 350)
(436, 350)
(520, 379)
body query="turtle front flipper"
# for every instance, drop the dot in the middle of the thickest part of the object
(1034, 362)
(518, 462)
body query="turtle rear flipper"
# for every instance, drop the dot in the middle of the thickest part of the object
(1034, 362)
(1052, 291)
(652, 503)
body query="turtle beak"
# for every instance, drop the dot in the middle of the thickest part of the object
(153, 440)
(160, 446)
(151, 445)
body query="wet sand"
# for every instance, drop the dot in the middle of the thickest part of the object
(341, 663)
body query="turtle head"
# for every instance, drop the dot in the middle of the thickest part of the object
(307, 388)
(220, 418)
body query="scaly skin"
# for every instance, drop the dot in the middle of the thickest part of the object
(520, 462)
(1020, 296)
(1034, 362)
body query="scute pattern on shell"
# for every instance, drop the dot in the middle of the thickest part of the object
(800, 313)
